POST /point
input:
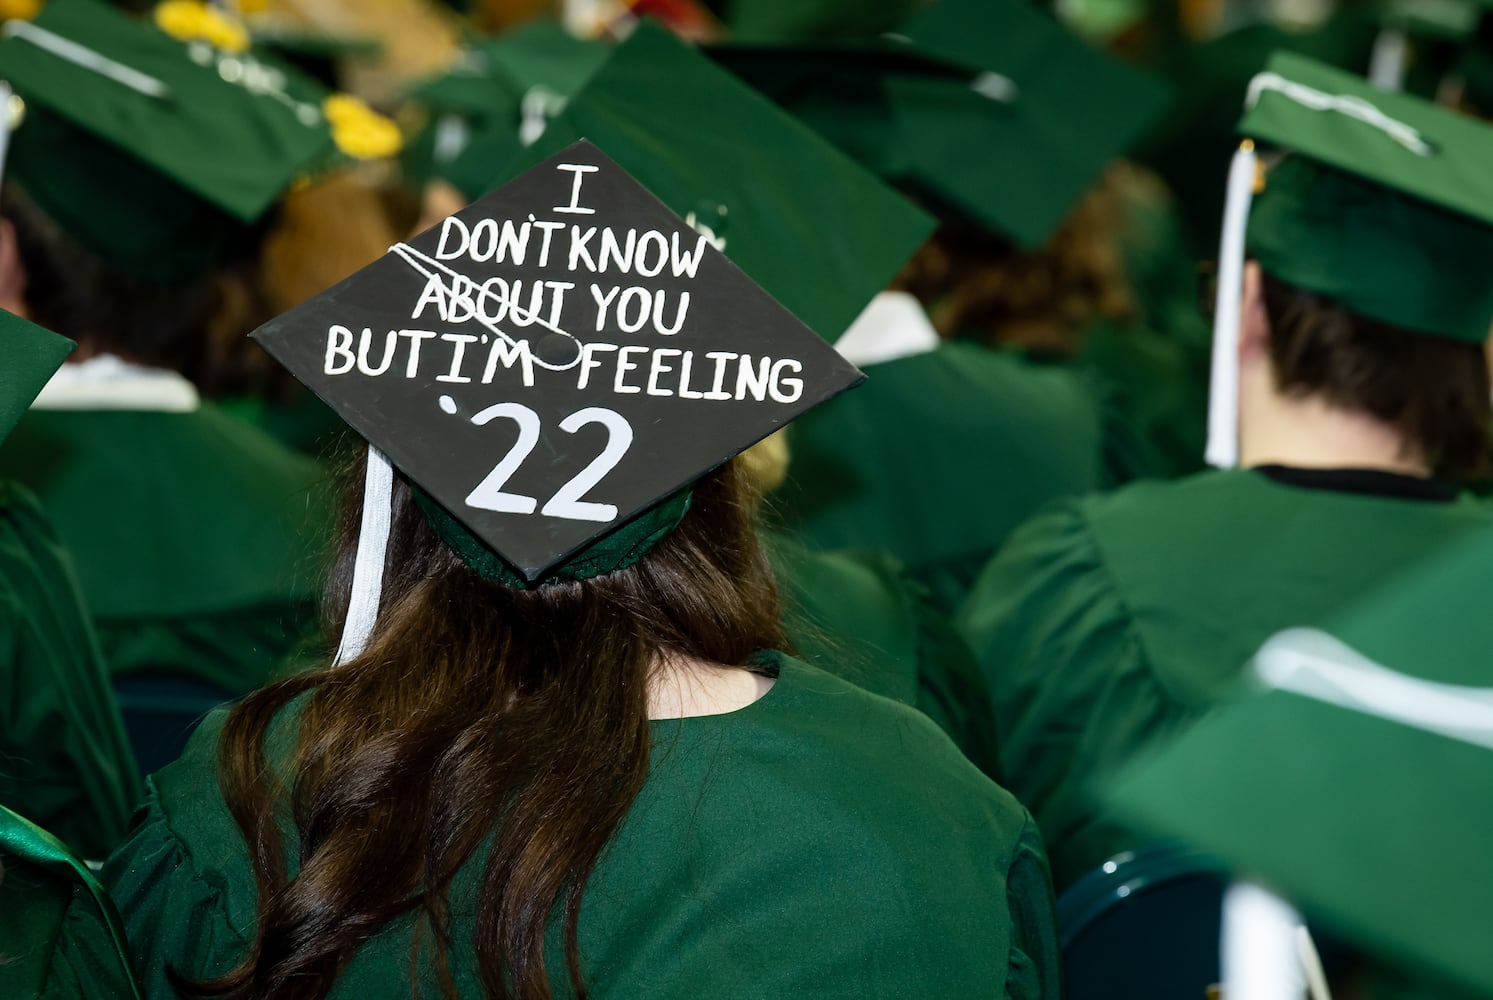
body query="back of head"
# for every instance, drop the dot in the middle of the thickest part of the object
(1433, 391)
(478, 716)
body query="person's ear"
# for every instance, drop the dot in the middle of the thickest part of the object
(12, 271)
(1254, 323)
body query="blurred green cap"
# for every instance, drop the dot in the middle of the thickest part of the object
(794, 21)
(478, 109)
(159, 151)
(993, 111)
(812, 227)
(31, 354)
(1357, 783)
(1384, 205)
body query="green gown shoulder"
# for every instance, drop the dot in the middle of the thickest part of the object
(198, 538)
(856, 613)
(64, 759)
(844, 829)
(1109, 621)
(940, 455)
(59, 934)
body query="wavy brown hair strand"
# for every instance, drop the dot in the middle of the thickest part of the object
(478, 718)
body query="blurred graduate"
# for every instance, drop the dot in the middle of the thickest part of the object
(1350, 386)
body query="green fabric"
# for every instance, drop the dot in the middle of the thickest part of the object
(792, 21)
(618, 549)
(1158, 383)
(1074, 110)
(856, 614)
(1397, 235)
(1364, 794)
(1111, 622)
(186, 172)
(60, 936)
(482, 97)
(1376, 253)
(64, 760)
(842, 828)
(968, 84)
(936, 458)
(1476, 70)
(200, 542)
(32, 355)
(816, 231)
(1191, 146)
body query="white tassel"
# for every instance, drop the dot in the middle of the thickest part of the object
(1388, 60)
(1223, 392)
(1260, 950)
(373, 544)
(6, 99)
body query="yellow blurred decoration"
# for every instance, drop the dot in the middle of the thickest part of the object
(358, 130)
(195, 21)
(23, 10)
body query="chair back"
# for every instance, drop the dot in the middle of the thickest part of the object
(160, 713)
(1143, 926)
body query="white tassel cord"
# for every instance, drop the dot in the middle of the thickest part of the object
(1223, 391)
(373, 545)
(1387, 63)
(1260, 951)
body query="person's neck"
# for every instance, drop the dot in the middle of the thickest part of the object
(1309, 433)
(685, 687)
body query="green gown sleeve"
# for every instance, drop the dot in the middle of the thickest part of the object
(1036, 968)
(1071, 689)
(59, 934)
(64, 761)
(174, 916)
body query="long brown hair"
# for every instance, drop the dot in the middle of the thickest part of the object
(478, 715)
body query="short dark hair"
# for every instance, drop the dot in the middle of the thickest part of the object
(1433, 390)
(75, 293)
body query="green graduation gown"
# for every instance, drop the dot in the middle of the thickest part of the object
(1108, 622)
(855, 613)
(60, 938)
(198, 539)
(821, 842)
(940, 455)
(64, 760)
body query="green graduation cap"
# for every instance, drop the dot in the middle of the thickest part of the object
(1383, 203)
(159, 154)
(989, 110)
(1357, 784)
(815, 229)
(794, 21)
(31, 355)
(497, 97)
(1387, 206)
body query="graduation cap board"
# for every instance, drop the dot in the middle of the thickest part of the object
(1384, 204)
(1356, 783)
(556, 359)
(990, 110)
(32, 354)
(815, 229)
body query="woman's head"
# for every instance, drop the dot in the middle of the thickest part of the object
(54, 281)
(976, 284)
(1431, 392)
(479, 721)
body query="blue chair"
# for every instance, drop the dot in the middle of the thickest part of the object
(1143, 925)
(161, 712)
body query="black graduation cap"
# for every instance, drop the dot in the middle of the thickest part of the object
(557, 358)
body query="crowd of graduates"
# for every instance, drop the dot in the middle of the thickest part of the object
(1157, 532)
